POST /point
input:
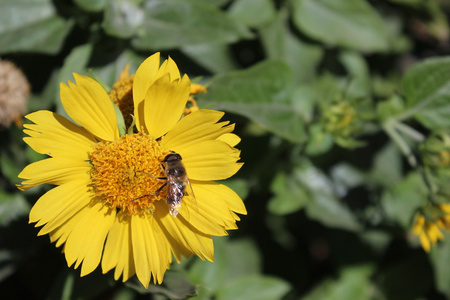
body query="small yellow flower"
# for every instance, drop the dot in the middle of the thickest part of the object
(191, 105)
(429, 227)
(106, 206)
(14, 94)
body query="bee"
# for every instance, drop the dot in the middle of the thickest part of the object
(177, 182)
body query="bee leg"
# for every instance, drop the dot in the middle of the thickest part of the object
(154, 194)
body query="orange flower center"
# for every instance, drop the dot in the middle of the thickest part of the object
(124, 173)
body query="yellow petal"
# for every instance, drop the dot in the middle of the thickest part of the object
(57, 170)
(88, 104)
(56, 136)
(210, 160)
(85, 242)
(202, 215)
(434, 234)
(230, 138)
(233, 201)
(118, 251)
(145, 76)
(150, 249)
(164, 104)
(59, 204)
(183, 237)
(147, 73)
(425, 242)
(196, 127)
(418, 224)
(61, 233)
(169, 66)
(211, 213)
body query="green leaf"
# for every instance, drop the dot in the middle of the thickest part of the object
(353, 283)
(175, 23)
(12, 206)
(122, 18)
(232, 260)
(176, 286)
(213, 57)
(280, 43)
(319, 141)
(387, 166)
(32, 26)
(289, 195)
(324, 205)
(12, 161)
(426, 86)
(254, 287)
(91, 5)
(262, 93)
(244, 12)
(351, 23)
(243, 259)
(358, 74)
(307, 186)
(46, 99)
(401, 201)
(390, 108)
(210, 275)
(440, 258)
(110, 73)
(346, 177)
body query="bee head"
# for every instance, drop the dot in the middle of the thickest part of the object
(172, 157)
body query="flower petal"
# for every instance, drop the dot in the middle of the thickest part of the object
(147, 73)
(216, 203)
(85, 242)
(88, 104)
(57, 170)
(150, 249)
(145, 76)
(196, 127)
(183, 237)
(118, 251)
(211, 210)
(61, 233)
(210, 160)
(164, 104)
(202, 215)
(230, 138)
(56, 136)
(59, 204)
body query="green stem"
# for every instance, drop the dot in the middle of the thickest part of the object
(389, 128)
(409, 131)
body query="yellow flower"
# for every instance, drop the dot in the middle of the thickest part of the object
(109, 204)
(429, 228)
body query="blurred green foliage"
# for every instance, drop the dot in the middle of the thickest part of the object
(343, 108)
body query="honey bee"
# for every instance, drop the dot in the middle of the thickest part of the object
(177, 182)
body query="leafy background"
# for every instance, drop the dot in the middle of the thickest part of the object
(332, 100)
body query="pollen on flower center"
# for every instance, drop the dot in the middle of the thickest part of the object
(124, 173)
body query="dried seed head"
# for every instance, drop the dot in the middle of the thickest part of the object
(14, 94)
